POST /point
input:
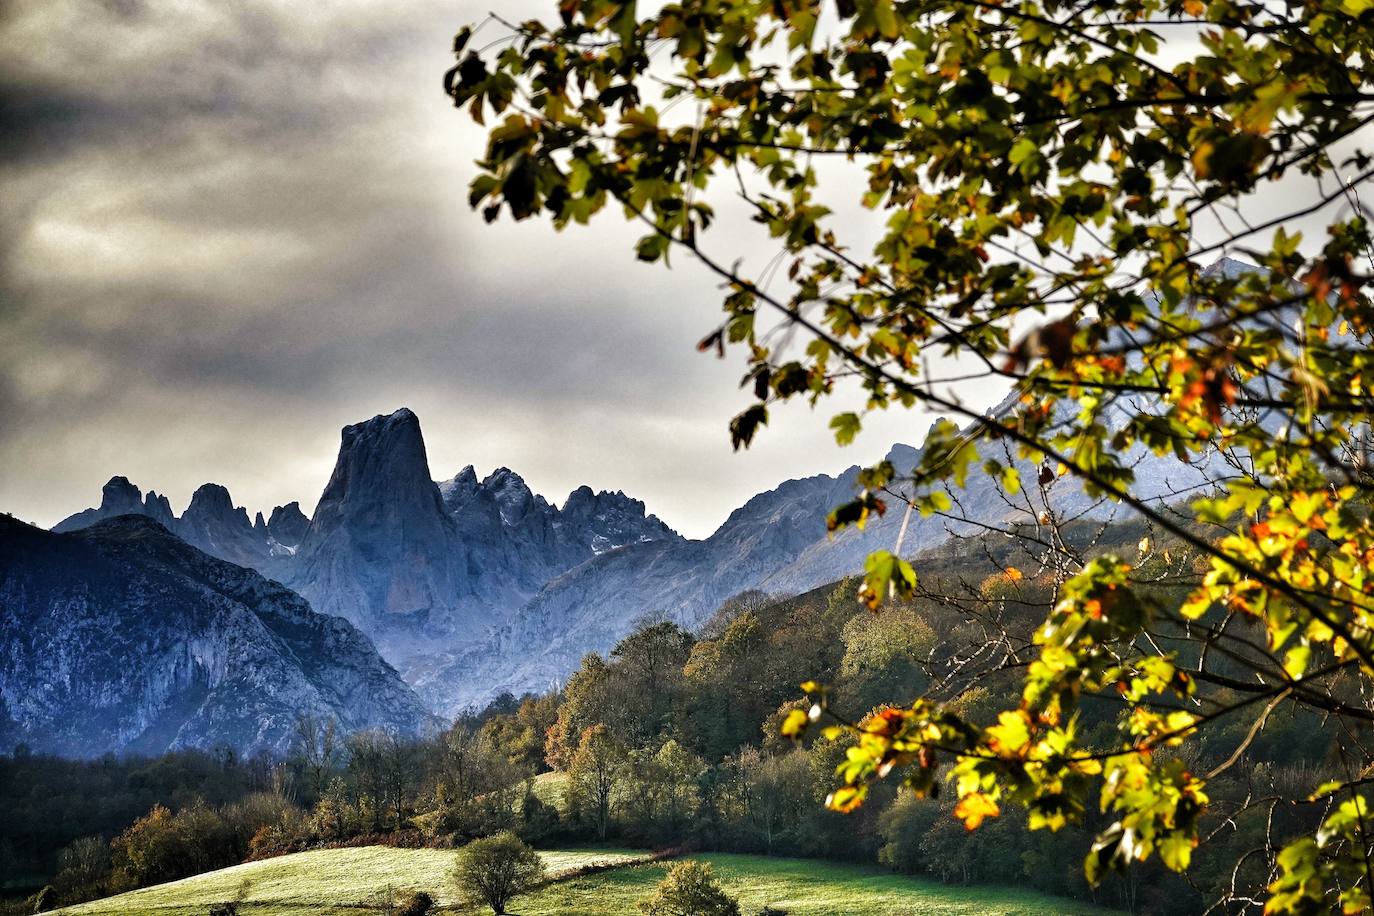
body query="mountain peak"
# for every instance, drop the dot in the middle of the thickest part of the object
(459, 488)
(212, 498)
(372, 451)
(1229, 268)
(119, 497)
(380, 546)
(288, 524)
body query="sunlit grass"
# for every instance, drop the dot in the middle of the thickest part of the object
(801, 887)
(328, 881)
(335, 882)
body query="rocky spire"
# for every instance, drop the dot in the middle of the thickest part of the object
(288, 524)
(214, 524)
(120, 497)
(380, 548)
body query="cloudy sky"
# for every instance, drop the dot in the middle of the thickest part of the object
(231, 228)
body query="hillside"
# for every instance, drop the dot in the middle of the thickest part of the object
(122, 637)
(350, 881)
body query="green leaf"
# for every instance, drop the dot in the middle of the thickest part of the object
(846, 427)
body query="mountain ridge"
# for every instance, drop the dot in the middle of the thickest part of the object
(123, 637)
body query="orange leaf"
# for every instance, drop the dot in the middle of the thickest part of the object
(973, 808)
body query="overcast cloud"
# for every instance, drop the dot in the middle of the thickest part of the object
(230, 229)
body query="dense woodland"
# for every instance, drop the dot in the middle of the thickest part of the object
(674, 740)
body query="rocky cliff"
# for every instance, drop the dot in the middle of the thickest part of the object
(121, 637)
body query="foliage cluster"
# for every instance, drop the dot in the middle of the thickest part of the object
(1053, 180)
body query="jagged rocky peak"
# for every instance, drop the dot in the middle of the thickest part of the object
(156, 507)
(512, 495)
(214, 524)
(1229, 268)
(212, 507)
(903, 457)
(459, 489)
(605, 520)
(288, 524)
(381, 458)
(120, 497)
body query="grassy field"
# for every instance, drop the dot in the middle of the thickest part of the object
(801, 887)
(328, 881)
(353, 881)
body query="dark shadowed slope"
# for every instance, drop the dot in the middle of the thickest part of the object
(121, 637)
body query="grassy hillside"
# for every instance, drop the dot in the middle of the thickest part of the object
(352, 881)
(326, 881)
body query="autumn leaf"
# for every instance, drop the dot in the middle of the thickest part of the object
(973, 808)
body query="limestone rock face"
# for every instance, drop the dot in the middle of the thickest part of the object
(288, 524)
(381, 549)
(121, 637)
(212, 523)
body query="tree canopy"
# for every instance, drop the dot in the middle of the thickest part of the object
(1051, 178)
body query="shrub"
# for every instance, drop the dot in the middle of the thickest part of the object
(690, 890)
(496, 869)
(416, 903)
(83, 867)
(45, 900)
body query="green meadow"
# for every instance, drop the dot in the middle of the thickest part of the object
(356, 881)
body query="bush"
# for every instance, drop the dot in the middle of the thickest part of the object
(416, 903)
(496, 869)
(45, 900)
(690, 890)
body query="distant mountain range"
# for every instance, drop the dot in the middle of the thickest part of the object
(475, 587)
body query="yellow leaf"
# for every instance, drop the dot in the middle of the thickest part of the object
(1011, 734)
(794, 723)
(1177, 851)
(845, 798)
(1295, 659)
(974, 808)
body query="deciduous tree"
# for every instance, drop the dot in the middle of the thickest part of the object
(497, 869)
(1052, 177)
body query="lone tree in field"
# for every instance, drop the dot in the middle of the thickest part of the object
(1051, 178)
(690, 889)
(497, 869)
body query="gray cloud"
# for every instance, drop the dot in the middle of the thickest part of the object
(232, 228)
